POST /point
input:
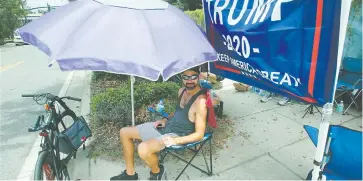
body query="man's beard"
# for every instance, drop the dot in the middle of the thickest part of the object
(190, 86)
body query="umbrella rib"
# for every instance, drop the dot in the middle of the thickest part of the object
(151, 35)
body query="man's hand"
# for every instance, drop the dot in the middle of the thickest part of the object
(169, 141)
(161, 123)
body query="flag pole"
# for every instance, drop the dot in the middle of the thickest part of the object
(328, 107)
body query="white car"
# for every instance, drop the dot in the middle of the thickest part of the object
(17, 39)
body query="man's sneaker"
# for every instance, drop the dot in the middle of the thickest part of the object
(266, 97)
(284, 101)
(125, 176)
(158, 176)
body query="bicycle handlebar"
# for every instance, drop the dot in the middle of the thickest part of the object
(37, 126)
(51, 97)
(33, 129)
(48, 96)
(27, 95)
(73, 98)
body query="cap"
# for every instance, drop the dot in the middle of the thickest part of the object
(195, 69)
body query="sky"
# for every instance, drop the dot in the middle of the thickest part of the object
(40, 3)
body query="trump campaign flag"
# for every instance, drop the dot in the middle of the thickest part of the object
(289, 47)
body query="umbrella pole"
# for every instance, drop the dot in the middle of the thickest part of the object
(132, 99)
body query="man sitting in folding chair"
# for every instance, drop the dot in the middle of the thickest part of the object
(186, 125)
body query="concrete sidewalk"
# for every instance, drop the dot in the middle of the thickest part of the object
(269, 143)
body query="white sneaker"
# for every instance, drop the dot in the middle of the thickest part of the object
(284, 101)
(266, 97)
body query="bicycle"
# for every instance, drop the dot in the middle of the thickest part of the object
(54, 141)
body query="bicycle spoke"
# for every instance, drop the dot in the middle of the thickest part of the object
(48, 172)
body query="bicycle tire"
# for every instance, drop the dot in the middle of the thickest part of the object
(44, 162)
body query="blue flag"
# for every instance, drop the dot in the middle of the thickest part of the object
(289, 47)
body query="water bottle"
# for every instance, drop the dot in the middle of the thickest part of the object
(340, 107)
(160, 106)
(258, 90)
(262, 92)
(250, 88)
(254, 89)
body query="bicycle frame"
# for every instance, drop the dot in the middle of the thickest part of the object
(52, 122)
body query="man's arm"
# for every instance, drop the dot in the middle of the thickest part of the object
(200, 125)
(170, 116)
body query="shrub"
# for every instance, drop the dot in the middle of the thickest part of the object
(114, 104)
(106, 76)
(197, 16)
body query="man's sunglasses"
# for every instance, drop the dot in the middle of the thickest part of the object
(191, 77)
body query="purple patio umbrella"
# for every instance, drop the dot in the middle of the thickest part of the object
(144, 38)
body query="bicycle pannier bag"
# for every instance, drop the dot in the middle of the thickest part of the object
(74, 136)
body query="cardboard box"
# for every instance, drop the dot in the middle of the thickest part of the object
(241, 87)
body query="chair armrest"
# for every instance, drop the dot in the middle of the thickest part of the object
(207, 136)
(359, 80)
(349, 72)
(164, 114)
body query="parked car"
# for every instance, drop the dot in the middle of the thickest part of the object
(17, 39)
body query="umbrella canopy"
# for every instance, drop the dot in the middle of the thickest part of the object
(145, 38)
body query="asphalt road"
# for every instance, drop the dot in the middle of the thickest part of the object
(23, 70)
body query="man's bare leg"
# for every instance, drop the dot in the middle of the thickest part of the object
(127, 135)
(148, 152)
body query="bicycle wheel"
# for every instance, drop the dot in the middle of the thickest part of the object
(44, 167)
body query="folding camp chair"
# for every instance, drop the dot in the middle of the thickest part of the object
(195, 147)
(343, 155)
(350, 80)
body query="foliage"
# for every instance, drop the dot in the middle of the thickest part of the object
(354, 28)
(197, 16)
(10, 13)
(355, 9)
(189, 5)
(114, 104)
(105, 76)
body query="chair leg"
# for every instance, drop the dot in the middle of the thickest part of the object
(318, 110)
(209, 170)
(353, 101)
(210, 156)
(354, 98)
(190, 161)
(163, 156)
(209, 167)
(206, 163)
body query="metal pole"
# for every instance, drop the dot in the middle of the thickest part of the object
(132, 78)
(205, 29)
(322, 137)
(328, 108)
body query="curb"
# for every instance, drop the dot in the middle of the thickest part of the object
(85, 111)
(7, 45)
(86, 100)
